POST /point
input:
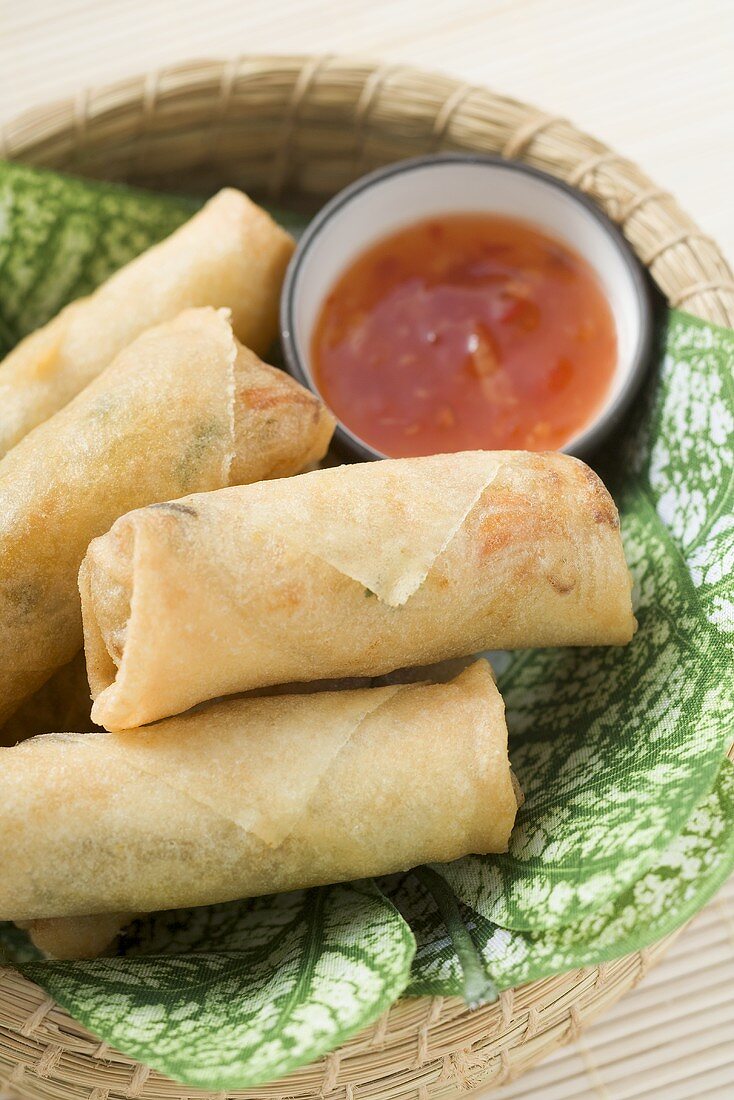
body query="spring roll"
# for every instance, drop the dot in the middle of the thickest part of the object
(63, 703)
(185, 407)
(230, 254)
(254, 796)
(88, 937)
(350, 571)
(81, 937)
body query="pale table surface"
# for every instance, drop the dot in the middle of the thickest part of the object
(652, 78)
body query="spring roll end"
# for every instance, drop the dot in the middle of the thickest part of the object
(76, 937)
(280, 428)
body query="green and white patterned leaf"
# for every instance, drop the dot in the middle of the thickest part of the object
(691, 460)
(60, 237)
(450, 929)
(614, 747)
(683, 879)
(231, 996)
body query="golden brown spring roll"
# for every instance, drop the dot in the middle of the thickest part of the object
(253, 796)
(81, 937)
(350, 571)
(185, 407)
(229, 254)
(63, 703)
(88, 937)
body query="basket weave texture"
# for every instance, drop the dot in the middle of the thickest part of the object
(298, 129)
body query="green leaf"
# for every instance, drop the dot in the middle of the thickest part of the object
(689, 460)
(614, 747)
(60, 237)
(231, 996)
(684, 878)
(477, 987)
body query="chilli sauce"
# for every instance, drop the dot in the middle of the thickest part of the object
(465, 332)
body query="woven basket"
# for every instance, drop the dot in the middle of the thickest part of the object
(298, 129)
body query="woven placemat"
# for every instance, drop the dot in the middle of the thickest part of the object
(669, 1039)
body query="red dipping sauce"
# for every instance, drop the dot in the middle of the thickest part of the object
(466, 331)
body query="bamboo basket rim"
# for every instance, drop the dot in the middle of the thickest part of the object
(302, 127)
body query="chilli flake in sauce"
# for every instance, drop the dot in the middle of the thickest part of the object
(463, 332)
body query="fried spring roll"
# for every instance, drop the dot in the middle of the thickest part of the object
(185, 407)
(81, 937)
(63, 702)
(229, 254)
(254, 796)
(350, 571)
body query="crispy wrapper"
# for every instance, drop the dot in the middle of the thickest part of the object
(184, 408)
(352, 571)
(229, 254)
(253, 796)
